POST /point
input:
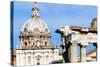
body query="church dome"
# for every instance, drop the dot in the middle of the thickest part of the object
(35, 22)
(94, 23)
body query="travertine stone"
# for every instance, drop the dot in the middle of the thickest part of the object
(73, 52)
(83, 53)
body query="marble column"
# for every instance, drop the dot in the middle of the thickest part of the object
(73, 52)
(83, 53)
(63, 42)
(66, 53)
(95, 45)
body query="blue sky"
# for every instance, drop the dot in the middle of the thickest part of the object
(55, 15)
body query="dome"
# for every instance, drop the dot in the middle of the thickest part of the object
(35, 23)
(94, 23)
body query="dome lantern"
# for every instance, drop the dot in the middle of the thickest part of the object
(35, 11)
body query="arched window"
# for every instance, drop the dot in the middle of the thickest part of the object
(44, 37)
(45, 43)
(25, 59)
(33, 43)
(25, 43)
(47, 58)
(40, 36)
(38, 61)
(29, 59)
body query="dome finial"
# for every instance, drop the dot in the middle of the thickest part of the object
(35, 10)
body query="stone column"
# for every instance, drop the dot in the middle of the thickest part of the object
(66, 53)
(83, 53)
(63, 48)
(95, 45)
(63, 42)
(73, 52)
